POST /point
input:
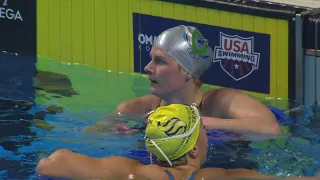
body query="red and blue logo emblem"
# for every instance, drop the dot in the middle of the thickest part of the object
(236, 56)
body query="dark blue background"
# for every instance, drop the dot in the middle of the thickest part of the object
(17, 70)
(258, 81)
(16, 77)
(19, 36)
(18, 63)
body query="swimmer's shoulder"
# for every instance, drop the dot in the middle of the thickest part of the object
(156, 172)
(205, 173)
(212, 173)
(215, 102)
(138, 105)
(219, 95)
(151, 171)
(218, 92)
(209, 173)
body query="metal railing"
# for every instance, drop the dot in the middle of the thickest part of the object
(311, 69)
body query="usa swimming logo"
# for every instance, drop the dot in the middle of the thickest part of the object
(236, 56)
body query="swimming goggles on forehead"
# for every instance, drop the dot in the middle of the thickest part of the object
(174, 137)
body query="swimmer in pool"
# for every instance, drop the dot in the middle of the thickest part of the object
(175, 134)
(178, 58)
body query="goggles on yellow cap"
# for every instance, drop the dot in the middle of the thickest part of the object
(172, 131)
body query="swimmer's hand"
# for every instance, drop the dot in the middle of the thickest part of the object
(118, 124)
(107, 125)
(94, 129)
(120, 129)
(145, 117)
(123, 129)
(130, 126)
(110, 126)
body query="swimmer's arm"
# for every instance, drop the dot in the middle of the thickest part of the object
(246, 173)
(135, 109)
(138, 106)
(244, 114)
(247, 125)
(67, 164)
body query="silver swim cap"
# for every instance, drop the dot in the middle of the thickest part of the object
(188, 47)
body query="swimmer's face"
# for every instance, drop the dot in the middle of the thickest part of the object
(164, 73)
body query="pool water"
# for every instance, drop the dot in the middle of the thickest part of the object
(68, 98)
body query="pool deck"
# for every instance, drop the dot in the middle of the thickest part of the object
(303, 3)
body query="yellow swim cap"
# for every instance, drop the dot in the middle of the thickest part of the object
(172, 131)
